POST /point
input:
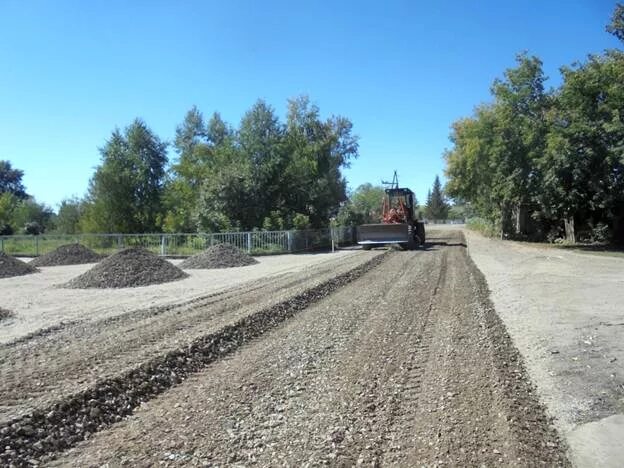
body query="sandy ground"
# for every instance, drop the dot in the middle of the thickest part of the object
(565, 312)
(38, 303)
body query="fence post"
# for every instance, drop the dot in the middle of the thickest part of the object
(36, 246)
(163, 248)
(249, 242)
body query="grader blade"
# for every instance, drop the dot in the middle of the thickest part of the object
(371, 234)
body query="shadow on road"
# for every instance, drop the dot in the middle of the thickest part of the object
(429, 245)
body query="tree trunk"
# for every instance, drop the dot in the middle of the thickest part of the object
(568, 224)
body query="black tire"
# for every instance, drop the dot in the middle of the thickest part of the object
(367, 247)
(411, 238)
(420, 232)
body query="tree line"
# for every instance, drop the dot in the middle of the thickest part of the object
(265, 174)
(547, 163)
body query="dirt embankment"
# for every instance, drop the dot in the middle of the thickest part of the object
(407, 365)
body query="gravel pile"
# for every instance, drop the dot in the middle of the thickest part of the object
(11, 266)
(127, 269)
(75, 418)
(5, 314)
(219, 256)
(70, 254)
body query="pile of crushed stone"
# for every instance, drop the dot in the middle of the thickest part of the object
(70, 254)
(5, 314)
(219, 256)
(128, 268)
(11, 266)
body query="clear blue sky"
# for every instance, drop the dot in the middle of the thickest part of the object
(402, 71)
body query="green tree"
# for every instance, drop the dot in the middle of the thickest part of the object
(616, 26)
(260, 139)
(318, 150)
(225, 198)
(11, 180)
(68, 217)
(125, 193)
(8, 202)
(261, 175)
(364, 206)
(30, 217)
(437, 206)
(181, 193)
(584, 164)
(494, 161)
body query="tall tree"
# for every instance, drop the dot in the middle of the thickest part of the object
(125, 193)
(11, 180)
(318, 150)
(584, 164)
(260, 137)
(191, 132)
(265, 174)
(494, 161)
(437, 206)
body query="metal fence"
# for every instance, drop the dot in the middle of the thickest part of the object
(180, 244)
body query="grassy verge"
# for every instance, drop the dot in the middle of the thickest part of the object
(482, 226)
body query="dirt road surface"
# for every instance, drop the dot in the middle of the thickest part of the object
(565, 312)
(407, 364)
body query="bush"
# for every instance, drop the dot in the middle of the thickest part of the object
(485, 227)
(33, 228)
(301, 222)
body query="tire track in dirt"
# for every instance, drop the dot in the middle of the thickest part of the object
(256, 397)
(407, 365)
(389, 370)
(48, 368)
(78, 416)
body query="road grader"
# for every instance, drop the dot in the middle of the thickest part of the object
(399, 224)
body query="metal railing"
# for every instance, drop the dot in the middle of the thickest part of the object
(184, 244)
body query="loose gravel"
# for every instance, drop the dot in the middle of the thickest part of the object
(70, 254)
(408, 365)
(219, 256)
(11, 266)
(77, 417)
(128, 268)
(404, 364)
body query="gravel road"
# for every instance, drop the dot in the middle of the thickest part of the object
(40, 369)
(406, 365)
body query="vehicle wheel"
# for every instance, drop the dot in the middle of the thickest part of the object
(367, 247)
(420, 232)
(411, 238)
